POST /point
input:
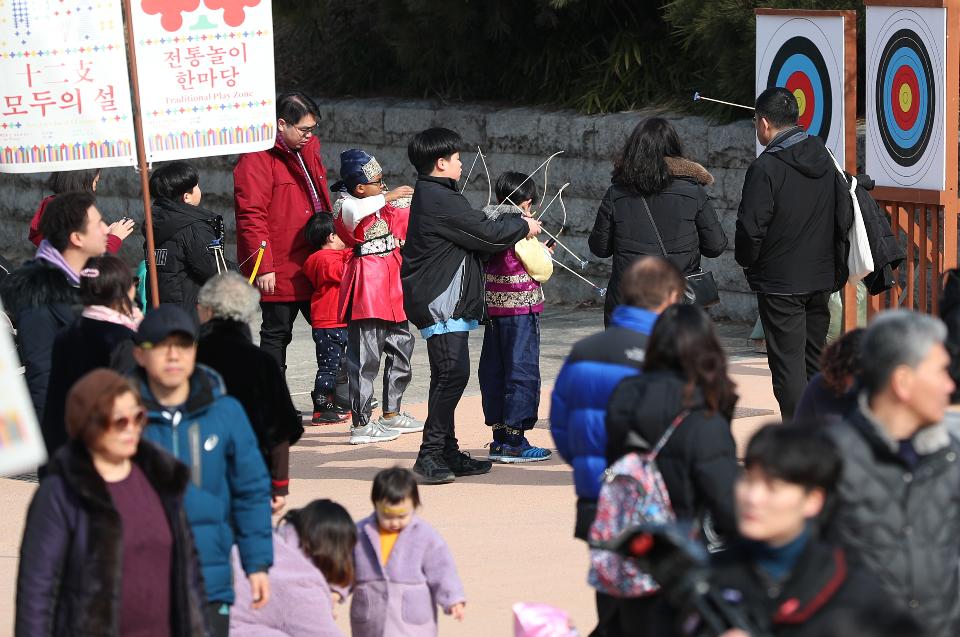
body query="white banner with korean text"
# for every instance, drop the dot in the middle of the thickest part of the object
(64, 89)
(206, 76)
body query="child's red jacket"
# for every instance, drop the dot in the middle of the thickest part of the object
(324, 269)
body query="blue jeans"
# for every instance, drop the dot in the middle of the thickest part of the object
(331, 344)
(510, 371)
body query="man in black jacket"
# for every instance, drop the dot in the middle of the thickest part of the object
(786, 241)
(42, 296)
(443, 289)
(897, 510)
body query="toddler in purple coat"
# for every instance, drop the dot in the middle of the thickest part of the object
(509, 369)
(403, 568)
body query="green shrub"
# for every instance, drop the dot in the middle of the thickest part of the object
(593, 55)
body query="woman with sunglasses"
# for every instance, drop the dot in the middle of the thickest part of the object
(106, 548)
(101, 337)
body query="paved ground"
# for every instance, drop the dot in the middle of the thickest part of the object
(510, 530)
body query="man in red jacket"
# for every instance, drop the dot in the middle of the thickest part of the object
(276, 191)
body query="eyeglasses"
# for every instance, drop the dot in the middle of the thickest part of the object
(306, 131)
(380, 182)
(138, 419)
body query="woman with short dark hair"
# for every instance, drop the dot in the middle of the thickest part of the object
(684, 383)
(833, 391)
(312, 552)
(82, 181)
(106, 548)
(650, 173)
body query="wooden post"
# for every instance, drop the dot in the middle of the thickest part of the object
(951, 197)
(851, 312)
(141, 155)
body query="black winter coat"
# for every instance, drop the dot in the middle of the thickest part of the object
(901, 522)
(794, 217)
(254, 378)
(687, 222)
(442, 271)
(40, 301)
(82, 347)
(950, 313)
(698, 463)
(182, 235)
(821, 590)
(887, 252)
(69, 581)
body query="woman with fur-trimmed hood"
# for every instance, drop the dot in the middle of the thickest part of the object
(107, 549)
(650, 169)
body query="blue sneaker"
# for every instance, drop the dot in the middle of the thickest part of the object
(525, 452)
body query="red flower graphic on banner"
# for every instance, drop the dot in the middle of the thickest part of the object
(170, 11)
(233, 10)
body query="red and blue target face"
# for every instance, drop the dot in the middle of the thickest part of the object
(799, 67)
(905, 97)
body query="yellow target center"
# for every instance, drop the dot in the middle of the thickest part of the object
(906, 97)
(801, 100)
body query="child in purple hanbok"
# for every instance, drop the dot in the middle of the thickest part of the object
(509, 369)
(403, 568)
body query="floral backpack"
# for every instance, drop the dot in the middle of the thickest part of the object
(633, 493)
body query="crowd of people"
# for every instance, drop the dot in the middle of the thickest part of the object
(169, 430)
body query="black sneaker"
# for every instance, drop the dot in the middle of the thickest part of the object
(463, 465)
(432, 470)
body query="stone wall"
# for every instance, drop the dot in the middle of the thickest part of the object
(511, 138)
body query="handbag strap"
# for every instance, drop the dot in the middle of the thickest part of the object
(669, 432)
(655, 229)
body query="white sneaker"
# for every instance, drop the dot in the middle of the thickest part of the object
(371, 432)
(402, 422)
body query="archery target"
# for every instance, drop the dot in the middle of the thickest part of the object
(805, 55)
(906, 97)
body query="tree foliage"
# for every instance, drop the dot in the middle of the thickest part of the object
(594, 55)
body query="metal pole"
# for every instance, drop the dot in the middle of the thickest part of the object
(141, 155)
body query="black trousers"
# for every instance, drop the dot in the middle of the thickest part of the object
(795, 327)
(449, 356)
(276, 330)
(218, 618)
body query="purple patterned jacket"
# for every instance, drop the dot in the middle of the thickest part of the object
(509, 290)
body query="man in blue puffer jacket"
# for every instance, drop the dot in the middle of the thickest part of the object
(228, 498)
(578, 405)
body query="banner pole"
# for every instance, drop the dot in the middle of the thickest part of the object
(151, 256)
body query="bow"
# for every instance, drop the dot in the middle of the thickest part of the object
(485, 169)
(557, 197)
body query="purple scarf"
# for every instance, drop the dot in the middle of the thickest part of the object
(46, 252)
(314, 197)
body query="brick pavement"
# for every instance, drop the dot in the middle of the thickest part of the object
(510, 530)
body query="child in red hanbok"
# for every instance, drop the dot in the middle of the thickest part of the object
(372, 221)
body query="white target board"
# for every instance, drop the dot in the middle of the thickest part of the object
(805, 54)
(906, 97)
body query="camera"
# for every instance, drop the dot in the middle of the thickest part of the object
(680, 565)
